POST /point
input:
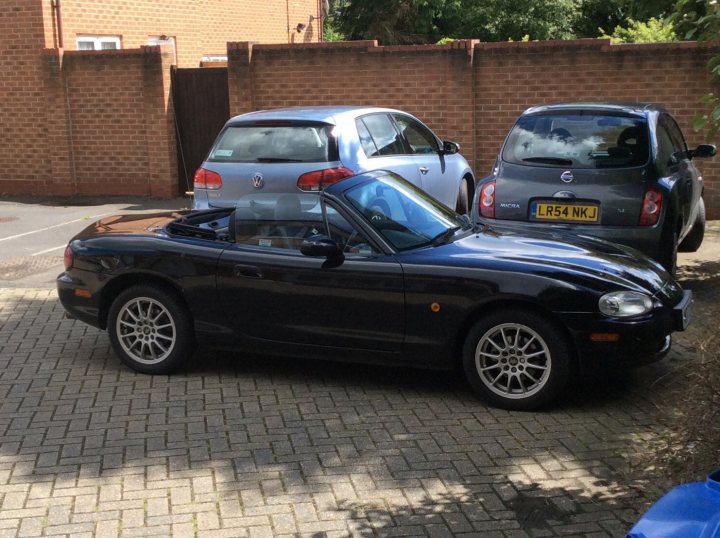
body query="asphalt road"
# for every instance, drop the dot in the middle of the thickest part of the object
(34, 232)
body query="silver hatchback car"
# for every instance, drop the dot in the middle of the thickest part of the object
(290, 149)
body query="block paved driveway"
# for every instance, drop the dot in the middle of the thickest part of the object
(246, 446)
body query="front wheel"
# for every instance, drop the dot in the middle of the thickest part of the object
(517, 360)
(150, 329)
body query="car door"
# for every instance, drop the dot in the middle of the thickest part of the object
(272, 292)
(689, 177)
(673, 167)
(423, 151)
(384, 148)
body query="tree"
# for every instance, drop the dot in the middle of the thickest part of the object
(701, 20)
(652, 31)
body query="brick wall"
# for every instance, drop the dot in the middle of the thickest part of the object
(23, 151)
(433, 82)
(103, 126)
(473, 92)
(199, 26)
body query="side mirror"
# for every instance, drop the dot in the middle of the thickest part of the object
(450, 148)
(321, 246)
(703, 150)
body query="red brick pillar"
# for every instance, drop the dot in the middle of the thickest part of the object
(160, 122)
(240, 78)
(58, 127)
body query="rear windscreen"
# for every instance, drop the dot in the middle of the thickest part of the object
(275, 143)
(578, 141)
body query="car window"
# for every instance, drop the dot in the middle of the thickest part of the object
(578, 141)
(676, 136)
(284, 221)
(666, 151)
(419, 138)
(275, 143)
(386, 140)
(401, 213)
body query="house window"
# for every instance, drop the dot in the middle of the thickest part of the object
(98, 42)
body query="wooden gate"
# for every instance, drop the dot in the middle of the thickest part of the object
(200, 98)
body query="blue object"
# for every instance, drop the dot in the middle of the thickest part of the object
(688, 511)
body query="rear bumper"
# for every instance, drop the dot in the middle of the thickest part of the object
(86, 309)
(646, 239)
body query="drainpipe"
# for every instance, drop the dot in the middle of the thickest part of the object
(58, 18)
(287, 11)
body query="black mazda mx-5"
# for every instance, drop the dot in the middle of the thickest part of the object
(370, 268)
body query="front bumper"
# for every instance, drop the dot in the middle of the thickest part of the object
(638, 342)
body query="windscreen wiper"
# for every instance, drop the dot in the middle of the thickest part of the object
(444, 236)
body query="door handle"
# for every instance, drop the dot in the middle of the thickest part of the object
(424, 169)
(247, 271)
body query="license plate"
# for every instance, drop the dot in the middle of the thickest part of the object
(564, 212)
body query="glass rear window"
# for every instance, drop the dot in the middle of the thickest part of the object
(578, 141)
(275, 143)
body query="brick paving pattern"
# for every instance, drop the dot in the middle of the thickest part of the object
(243, 446)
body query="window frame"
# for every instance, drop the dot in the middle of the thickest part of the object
(399, 137)
(412, 122)
(97, 40)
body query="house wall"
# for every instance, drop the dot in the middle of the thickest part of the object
(200, 27)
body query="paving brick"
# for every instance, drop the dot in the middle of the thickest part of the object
(258, 447)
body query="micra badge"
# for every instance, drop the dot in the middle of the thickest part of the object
(509, 205)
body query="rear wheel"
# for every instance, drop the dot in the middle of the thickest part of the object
(150, 329)
(462, 204)
(517, 360)
(694, 238)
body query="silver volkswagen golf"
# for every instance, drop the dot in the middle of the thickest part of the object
(283, 149)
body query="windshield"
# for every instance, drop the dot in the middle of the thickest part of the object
(275, 143)
(576, 140)
(403, 214)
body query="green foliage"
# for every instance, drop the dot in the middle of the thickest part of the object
(700, 19)
(427, 21)
(652, 31)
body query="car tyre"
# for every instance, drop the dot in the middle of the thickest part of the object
(462, 205)
(150, 329)
(517, 360)
(695, 236)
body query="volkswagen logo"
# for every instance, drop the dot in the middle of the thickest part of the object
(567, 176)
(257, 180)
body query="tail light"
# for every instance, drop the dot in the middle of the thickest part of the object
(315, 181)
(207, 179)
(487, 200)
(651, 207)
(68, 258)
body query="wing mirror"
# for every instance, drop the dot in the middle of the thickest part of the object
(321, 246)
(450, 148)
(703, 150)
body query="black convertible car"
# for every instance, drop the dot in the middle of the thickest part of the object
(370, 268)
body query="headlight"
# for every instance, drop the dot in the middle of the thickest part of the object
(622, 304)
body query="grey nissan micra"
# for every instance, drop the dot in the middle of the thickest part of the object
(617, 171)
(283, 150)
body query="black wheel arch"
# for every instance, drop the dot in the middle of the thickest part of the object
(497, 304)
(122, 282)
